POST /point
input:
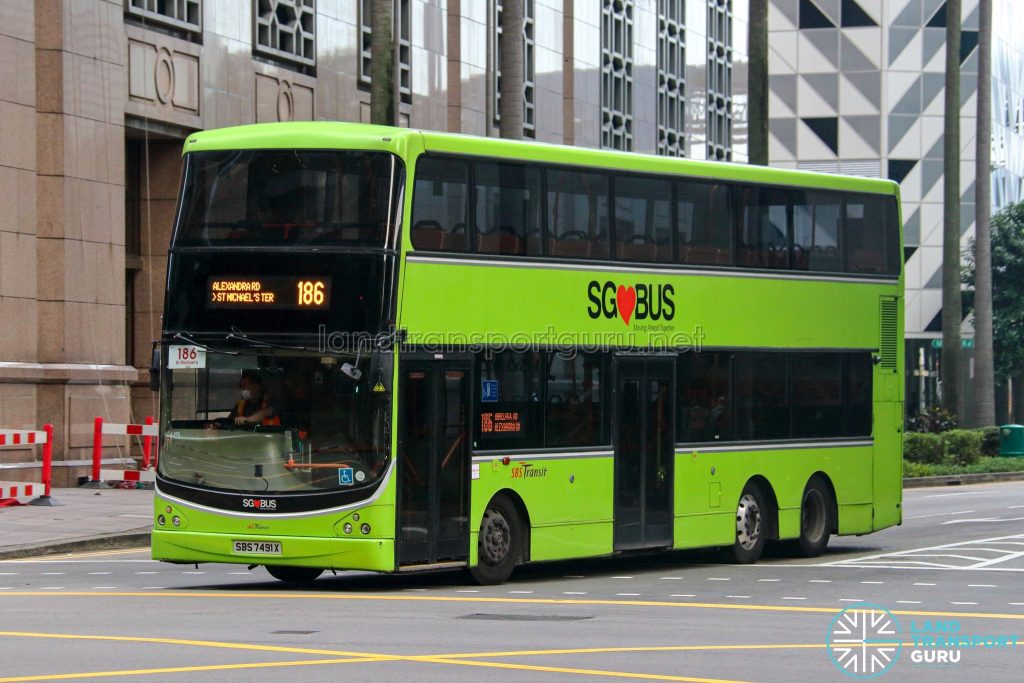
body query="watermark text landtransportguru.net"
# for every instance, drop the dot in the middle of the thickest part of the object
(647, 337)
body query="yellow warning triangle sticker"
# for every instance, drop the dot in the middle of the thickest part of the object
(379, 387)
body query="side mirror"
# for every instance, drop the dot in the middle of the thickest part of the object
(154, 367)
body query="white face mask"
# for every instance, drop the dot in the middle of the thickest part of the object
(246, 395)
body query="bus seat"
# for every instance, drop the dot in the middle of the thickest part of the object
(427, 235)
(801, 259)
(501, 243)
(663, 252)
(454, 241)
(701, 254)
(867, 260)
(638, 251)
(573, 244)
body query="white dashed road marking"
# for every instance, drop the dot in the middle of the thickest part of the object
(940, 514)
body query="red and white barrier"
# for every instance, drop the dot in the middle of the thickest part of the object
(147, 431)
(128, 475)
(11, 489)
(21, 438)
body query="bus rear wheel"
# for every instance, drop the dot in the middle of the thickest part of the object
(751, 525)
(815, 518)
(294, 574)
(499, 543)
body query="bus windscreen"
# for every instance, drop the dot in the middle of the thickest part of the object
(288, 197)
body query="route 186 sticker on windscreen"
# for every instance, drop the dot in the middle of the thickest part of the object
(186, 357)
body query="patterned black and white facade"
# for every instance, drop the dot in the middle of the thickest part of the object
(857, 87)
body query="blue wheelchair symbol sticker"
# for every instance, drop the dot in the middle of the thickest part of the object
(488, 391)
(345, 476)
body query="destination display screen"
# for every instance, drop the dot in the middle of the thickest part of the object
(299, 292)
(500, 423)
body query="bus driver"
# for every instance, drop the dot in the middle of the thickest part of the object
(254, 406)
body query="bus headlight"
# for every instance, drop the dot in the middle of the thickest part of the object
(161, 520)
(365, 528)
(347, 528)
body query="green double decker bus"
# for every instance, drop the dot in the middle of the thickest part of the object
(393, 350)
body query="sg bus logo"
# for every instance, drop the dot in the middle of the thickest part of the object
(259, 503)
(644, 301)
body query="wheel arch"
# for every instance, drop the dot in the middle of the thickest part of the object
(524, 517)
(830, 487)
(768, 491)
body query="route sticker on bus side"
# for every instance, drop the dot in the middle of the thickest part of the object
(182, 357)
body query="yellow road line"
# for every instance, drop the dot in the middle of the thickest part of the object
(454, 659)
(58, 557)
(639, 648)
(185, 669)
(192, 643)
(583, 672)
(481, 599)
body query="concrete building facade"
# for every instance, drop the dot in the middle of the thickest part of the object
(857, 87)
(96, 97)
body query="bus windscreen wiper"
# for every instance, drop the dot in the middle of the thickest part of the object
(237, 335)
(187, 338)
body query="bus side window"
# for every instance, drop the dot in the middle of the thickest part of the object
(704, 397)
(816, 231)
(577, 214)
(704, 218)
(764, 234)
(574, 414)
(870, 245)
(440, 204)
(507, 209)
(643, 215)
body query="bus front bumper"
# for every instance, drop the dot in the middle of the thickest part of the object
(371, 554)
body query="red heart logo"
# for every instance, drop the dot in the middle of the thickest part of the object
(625, 298)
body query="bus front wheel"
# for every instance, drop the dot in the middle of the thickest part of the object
(499, 543)
(294, 574)
(815, 518)
(751, 525)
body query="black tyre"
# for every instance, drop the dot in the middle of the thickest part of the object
(815, 518)
(294, 574)
(751, 525)
(500, 543)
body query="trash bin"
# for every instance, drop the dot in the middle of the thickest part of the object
(1011, 440)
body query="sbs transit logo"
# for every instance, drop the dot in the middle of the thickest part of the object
(640, 301)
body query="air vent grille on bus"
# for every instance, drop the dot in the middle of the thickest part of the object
(889, 341)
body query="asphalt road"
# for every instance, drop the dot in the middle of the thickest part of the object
(956, 563)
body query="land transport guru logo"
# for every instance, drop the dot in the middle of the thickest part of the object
(865, 641)
(627, 302)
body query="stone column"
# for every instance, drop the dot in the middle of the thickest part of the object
(80, 91)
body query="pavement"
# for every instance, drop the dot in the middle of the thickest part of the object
(85, 519)
(100, 519)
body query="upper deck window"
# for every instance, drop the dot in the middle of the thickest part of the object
(288, 198)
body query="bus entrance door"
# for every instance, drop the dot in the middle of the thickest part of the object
(644, 453)
(433, 463)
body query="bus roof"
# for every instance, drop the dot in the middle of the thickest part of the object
(341, 135)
